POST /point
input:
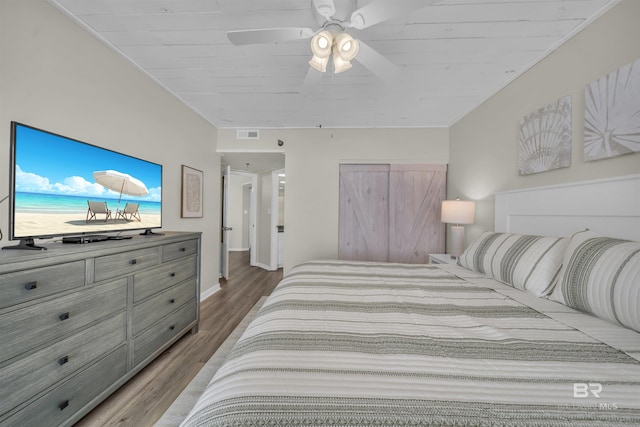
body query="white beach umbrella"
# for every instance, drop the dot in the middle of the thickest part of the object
(120, 182)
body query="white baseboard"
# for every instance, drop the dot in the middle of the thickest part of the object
(212, 290)
(264, 266)
(239, 250)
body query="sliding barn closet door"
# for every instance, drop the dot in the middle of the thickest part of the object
(415, 198)
(363, 233)
(391, 212)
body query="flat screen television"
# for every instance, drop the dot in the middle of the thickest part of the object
(60, 186)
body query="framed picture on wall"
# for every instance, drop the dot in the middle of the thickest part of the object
(192, 191)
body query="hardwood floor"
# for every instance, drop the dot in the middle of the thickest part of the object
(145, 397)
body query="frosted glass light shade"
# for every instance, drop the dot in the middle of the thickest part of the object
(458, 211)
(340, 65)
(346, 47)
(319, 63)
(321, 44)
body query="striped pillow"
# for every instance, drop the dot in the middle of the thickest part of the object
(526, 262)
(601, 276)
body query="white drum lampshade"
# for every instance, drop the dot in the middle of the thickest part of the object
(458, 212)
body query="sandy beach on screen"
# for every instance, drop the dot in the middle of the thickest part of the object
(39, 224)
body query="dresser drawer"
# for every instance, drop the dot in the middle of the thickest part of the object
(149, 282)
(150, 311)
(33, 374)
(158, 335)
(33, 326)
(179, 249)
(23, 286)
(55, 407)
(124, 263)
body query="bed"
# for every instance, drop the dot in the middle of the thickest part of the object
(526, 330)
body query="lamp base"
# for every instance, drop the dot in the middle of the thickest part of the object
(457, 240)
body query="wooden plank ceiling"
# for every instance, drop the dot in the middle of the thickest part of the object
(452, 56)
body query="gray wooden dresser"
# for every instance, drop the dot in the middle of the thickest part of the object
(77, 321)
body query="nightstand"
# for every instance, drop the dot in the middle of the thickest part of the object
(442, 259)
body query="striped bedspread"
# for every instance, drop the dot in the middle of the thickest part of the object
(363, 344)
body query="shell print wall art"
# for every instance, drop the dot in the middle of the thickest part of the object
(612, 114)
(545, 138)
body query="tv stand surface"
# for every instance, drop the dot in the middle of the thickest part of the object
(26, 244)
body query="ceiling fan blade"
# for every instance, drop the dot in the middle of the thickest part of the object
(382, 10)
(269, 35)
(375, 62)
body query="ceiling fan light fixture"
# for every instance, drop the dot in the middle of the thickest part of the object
(321, 44)
(319, 63)
(340, 65)
(346, 47)
(342, 45)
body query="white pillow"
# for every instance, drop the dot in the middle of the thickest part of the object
(601, 276)
(526, 262)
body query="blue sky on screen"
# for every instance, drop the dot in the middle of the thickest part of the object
(52, 164)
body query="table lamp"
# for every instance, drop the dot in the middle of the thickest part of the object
(458, 212)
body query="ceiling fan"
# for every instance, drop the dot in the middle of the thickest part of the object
(334, 17)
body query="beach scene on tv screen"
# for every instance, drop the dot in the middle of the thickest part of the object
(66, 187)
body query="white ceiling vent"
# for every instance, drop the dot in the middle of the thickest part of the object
(247, 134)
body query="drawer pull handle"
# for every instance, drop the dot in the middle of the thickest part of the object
(172, 327)
(172, 274)
(63, 360)
(31, 285)
(63, 405)
(64, 316)
(172, 300)
(133, 261)
(183, 249)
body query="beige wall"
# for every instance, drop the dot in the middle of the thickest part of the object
(263, 220)
(484, 151)
(312, 160)
(56, 76)
(235, 211)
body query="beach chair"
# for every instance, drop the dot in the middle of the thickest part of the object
(96, 208)
(131, 210)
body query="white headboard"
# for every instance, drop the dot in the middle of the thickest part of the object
(609, 207)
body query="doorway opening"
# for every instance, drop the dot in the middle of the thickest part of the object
(252, 214)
